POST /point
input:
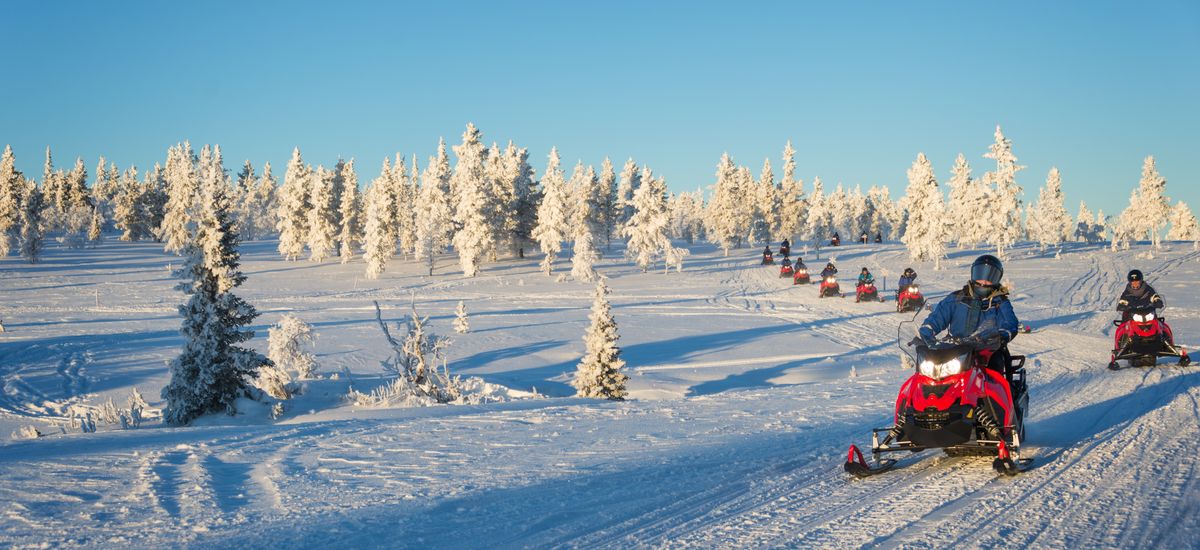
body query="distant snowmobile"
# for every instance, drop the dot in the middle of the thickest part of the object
(1143, 338)
(785, 268)
(909, 299)
(954, 402)
(866, 292)
(829, 287)
(768, 258)
(800, 277)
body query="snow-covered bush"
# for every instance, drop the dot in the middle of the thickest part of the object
(461, 324)
(283, 348)
(27, 432)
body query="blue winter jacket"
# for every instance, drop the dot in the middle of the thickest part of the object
(905, 281)
(963, 316)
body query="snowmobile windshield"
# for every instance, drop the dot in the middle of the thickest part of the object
(942, 352)
(985, 272)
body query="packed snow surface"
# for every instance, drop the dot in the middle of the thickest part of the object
(745, 392)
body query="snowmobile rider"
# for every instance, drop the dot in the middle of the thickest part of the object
(1138, 295)
(865, 278)
(799, 264)
(836, 240)
(906, 278)
(785, 248)
(766, 253)
(829, 270)
(981, 309)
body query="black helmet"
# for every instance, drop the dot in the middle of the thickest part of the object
(865, 270)
(1135, 275)
(987, 268)
(908, 270)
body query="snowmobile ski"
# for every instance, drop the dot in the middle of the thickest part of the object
(857, 466)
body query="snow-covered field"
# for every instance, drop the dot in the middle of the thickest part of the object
(743, 403)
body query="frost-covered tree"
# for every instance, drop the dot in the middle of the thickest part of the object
(1004, 208)
(462, 325)
(925, 236)
(127, 210)
(33, 227)
(600, 374)
(96, 228)
(350, 233)
(765, 209)
(284, 346)
(647, 230)
(1086, 229)
(958, 213)
(293, 207)
(1148, 210)
(724, 220)
(1183, 225)
(153, 201)
(11, 190)
(182, 185)
(404, 193)
(433, 216)
(584, 255)
(264, 204)
(840, 211)
(1050, 222)
(863, 214)
(884, 212)
(686, 211)
(584, 223)
(609, 217)
(470, 213)
(630, 180)
(792, 203)
(1102, 224)
(322, 216)
(552, 228)
(243, 201)
(818, 219)
(378, 237)
(500, 197)
(210, 373)
(528, 198)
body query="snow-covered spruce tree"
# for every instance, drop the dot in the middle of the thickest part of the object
(404, 194)
(630, 180)
(293, 206)
(127, 209)
(209, 375)
(584, 255)
(104, 188)
(284, 347)
(686, 216)
(552, 228)
(1005, 204)
(461, 324)
(96, 228)
(1148, 209)
(837, 204)
(265, 204)
(433, 217)
(864, 213)
(182, 183)
(1101, 226)
(792, 205)
(599, 373)
(958, 213)
(881, 211)
(528, 198)
(322, 216)
(925, 236)
(243, 200)
(1049, 222)
(33, 227)
(608, 210)
(647, 230)
(378, 239)
(499, 201)
(350, 233)
(11, 190)
(1183, 225)
(817, 220)
(153, 201)
(765, 210)
(1084, 224)
(474, 233)
(722, 220)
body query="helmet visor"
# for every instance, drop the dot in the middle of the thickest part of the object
(985, 272)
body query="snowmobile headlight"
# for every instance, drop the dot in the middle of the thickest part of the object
(1143, 318)
(950, 368)
(914, 289)
(1149, 316)
(927, 368)
(830, 280)
(1138, 317)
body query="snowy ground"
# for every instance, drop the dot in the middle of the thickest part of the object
(743, 406)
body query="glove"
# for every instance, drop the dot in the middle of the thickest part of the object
(917, 341)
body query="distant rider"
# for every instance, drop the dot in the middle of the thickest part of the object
(865, 277)
(829, 270)
(1138, 295)
(907, 278)
(980, 309)
(799, 264)
(785, 248)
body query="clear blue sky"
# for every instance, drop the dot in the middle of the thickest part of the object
(859, 87)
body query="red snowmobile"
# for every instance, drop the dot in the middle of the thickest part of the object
(954, 402)
(829, 287)
(866, 293)
(768, 258)
(909, 299)
(1144, 337)
(800, 277)
(785, 268)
